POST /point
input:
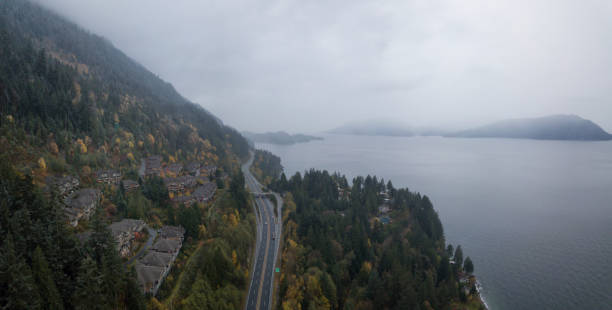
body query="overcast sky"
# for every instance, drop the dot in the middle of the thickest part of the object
(306, 66)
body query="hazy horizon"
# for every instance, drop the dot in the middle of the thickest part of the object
(310, 67)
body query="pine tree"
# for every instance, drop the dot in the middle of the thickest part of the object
(459, 257)
(468, 265)
(134, 299)
(104, 252)
(44, 280)
(19, 289)
(89, 294)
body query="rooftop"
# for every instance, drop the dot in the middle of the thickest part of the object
(125, 225)
(172, 232)
(157, 259)
(148, 276)
(82, 198)
(166, 245)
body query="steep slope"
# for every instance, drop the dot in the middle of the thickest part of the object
(60, 84)
(76, 114)
(557, 127)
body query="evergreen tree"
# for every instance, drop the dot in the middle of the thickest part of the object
(468, 265)
(18, 288)
(134, 299)
(44, 280)
(458, 257)
(89, 293)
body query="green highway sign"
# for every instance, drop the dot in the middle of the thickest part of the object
(277, 269)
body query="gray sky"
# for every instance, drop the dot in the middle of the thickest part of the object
(307, 66)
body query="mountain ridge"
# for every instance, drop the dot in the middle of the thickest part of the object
(554, 127)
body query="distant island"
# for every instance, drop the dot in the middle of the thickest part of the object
(556, 127)
(279, 137)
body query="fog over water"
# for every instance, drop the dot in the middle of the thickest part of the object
(535, 216)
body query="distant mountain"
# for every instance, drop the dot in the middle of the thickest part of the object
(279, 137)
(557, 127)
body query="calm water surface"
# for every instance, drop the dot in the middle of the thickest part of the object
(535, 216)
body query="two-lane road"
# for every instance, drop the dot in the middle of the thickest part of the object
(267, 244)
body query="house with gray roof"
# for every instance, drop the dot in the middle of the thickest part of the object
(208, 170)
(205, 192)
(152, 166)
(174, 169)
(149, 278)
(81, 204)
(155, 265)
(193, 168)
(181, 183)
(64, 185)
(108, 176)
(158, 259)
(187, 200)
(124, 233)
(172, 232)
(130, 185)
(167, 246)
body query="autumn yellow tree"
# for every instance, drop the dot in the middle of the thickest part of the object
(53, 148)
(42, 164)
(150, 139)
(81, 145)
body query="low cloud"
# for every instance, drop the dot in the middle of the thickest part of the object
(312, 65)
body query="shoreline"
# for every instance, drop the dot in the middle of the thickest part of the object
(481, 296)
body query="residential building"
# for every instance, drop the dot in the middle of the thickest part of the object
(130, 185)
(205, 192)
(152, 166)
(184, 199)
(172, 232)
(174, 169)
(64, 185)
(208, 170)
(169, 246)
(108, 176)
(124, 233)
(81, 204)
(193, 168)
(152, 268)
(158, 259)
(150, 278)
(179, 184)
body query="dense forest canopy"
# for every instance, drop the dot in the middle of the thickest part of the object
(366, 246)
(266, 166)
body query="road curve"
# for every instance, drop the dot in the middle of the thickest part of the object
(266, 247)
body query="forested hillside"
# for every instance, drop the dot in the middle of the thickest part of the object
(70, 97)
(79, 116)
(367, 246)
(266, 167)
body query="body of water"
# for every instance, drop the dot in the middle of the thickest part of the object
(535, 216)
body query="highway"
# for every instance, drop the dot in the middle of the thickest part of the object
(266, 247)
